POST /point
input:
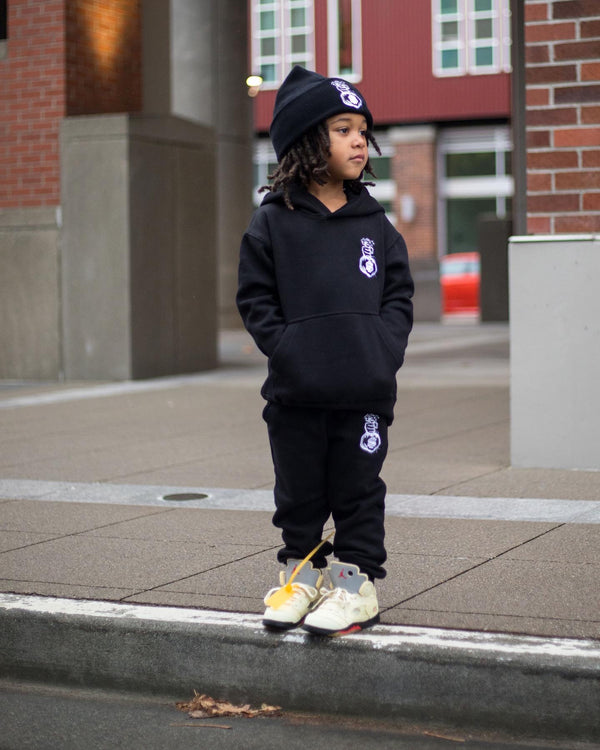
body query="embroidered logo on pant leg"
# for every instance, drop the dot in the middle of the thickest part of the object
(371, 440)
(367, 263)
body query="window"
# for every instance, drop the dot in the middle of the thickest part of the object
(282, 36)
(470, 36)
(344, 41)
(384, 190)
(474, 178)
(265, 162)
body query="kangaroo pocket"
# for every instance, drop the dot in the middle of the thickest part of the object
(345, 358)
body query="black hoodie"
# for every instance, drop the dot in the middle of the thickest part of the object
(327, 297)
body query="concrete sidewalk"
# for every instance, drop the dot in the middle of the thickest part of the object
(479, 553)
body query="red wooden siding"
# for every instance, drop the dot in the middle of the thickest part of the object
(398, 80)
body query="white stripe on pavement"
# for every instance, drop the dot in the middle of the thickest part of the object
(407, 506)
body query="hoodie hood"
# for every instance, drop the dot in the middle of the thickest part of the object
(359, 203)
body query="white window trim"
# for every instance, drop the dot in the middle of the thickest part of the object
(264, 153)
(384, 190)
(472, 140)
(438, 45)
(495, 41)
(467, 42)
(333, 41)
(283, 59)
(478, 187)
(506, 37)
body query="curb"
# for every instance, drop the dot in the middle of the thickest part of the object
(548, 687)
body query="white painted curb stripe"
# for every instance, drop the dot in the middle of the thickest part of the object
(499, 646)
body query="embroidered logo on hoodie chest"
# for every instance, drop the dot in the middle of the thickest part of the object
(367, 263)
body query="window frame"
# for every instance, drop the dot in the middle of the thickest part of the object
(439, 45)
(500, 185)
(467, 43)
(333, 35)
(283, 57)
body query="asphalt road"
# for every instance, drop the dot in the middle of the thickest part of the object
(44, 717)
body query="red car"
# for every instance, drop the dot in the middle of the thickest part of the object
(459, 279)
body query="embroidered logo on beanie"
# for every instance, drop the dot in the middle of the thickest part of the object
(349, 98)
(307, 98)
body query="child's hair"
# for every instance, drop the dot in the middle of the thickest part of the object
(306, 161)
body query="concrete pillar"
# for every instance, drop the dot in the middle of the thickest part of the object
(29, 294)
(195, 67)
(234, 149)
(138, 247)
(555, 351)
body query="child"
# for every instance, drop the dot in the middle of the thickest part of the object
(325, 291)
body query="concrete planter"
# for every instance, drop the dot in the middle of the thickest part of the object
(555, 351)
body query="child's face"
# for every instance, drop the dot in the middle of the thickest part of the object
(348, 146)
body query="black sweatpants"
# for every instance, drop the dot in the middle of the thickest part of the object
(327, 462)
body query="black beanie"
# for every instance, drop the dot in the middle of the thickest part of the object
(305, 99)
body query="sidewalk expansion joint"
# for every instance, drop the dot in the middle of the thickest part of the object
(473, 567)
(261, 551)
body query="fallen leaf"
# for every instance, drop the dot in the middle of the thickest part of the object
(203, 706)
(204, 725)
(451, 738)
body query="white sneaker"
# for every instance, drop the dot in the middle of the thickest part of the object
(305, 593)
(350, 606)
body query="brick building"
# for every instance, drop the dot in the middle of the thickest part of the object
(77, 60)
(436, 75)
(555, 257)
(122, 126)
(125, 148)
(562, 48)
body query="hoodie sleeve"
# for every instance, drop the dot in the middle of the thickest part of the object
(396, 304)
(257, 298)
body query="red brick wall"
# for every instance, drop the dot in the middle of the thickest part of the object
(562, 49)
(415, 174)
(64, 57)
(32, 103)
(103, 52)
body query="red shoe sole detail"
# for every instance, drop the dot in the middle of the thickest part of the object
(354, 628)
(351, 629)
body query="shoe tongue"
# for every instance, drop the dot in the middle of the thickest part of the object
(347, 577)
(307, 575)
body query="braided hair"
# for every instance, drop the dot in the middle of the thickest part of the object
(306, 161)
